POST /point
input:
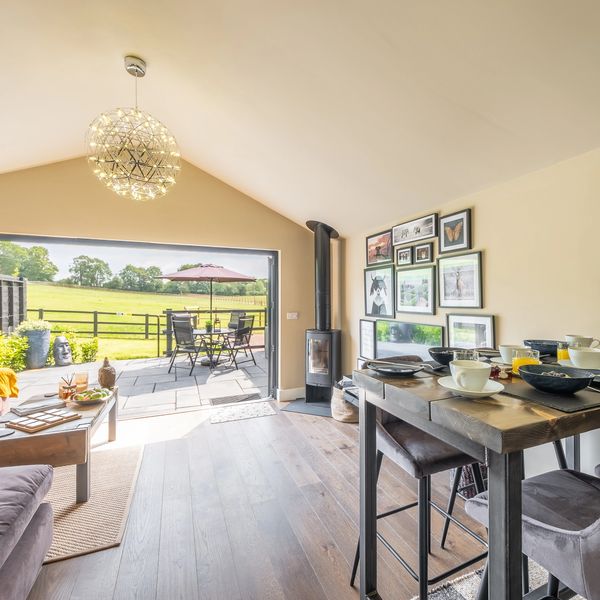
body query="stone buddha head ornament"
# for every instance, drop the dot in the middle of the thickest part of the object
(62, 352)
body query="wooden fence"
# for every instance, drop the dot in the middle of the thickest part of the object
(13, 302)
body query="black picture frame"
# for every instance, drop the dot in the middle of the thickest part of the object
(415, 230)
(367, 326)
(402, 250)
(394, 338)
(387, 255)
(412, 272)
(387, 273)
(489, 321)
(474, 281)
(428, 259)
(459, 224)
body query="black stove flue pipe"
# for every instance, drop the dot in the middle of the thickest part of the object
(323, 235)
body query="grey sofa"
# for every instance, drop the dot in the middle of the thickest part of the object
(25, 527)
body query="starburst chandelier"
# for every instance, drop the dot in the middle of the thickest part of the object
(130, 151)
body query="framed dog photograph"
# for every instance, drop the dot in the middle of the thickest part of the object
(417, 229)
(404, 256)
(460, 281)
(423, 253)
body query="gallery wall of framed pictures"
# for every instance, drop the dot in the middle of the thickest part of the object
(404, 275)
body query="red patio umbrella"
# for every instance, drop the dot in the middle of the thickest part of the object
(208, 273)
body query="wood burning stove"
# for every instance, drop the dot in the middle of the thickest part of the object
(323, 344)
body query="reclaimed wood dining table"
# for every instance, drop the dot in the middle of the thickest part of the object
(494, 430)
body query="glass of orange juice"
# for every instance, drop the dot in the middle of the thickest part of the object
(562, 351)
(524, 356)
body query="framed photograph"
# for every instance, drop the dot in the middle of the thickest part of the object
(404, 256)
(471, 331)
(398, 338)
(459, 281)
(455, 231)
(415, 290)
(379, 291)
(367, 338)
(417, 229)
(379, 248)
(423, 253)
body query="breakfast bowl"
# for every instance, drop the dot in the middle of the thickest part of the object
(556, 380)
(443, 354)
(543, 346)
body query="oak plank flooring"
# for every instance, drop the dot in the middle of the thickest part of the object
(259, 509)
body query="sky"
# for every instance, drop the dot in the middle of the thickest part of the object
(166, 258)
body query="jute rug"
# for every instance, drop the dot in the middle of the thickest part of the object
(467, 586)
(100, 522)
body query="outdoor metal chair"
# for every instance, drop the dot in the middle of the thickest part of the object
(234, 319)
(240, 341)
(185, 342)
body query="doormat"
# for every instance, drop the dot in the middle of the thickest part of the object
(467, 586)
(234, 399)
(249, 410)
(100, 522)
(319, 409)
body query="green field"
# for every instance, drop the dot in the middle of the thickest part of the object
(52, 298)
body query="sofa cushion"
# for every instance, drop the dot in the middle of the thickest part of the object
(22, 490)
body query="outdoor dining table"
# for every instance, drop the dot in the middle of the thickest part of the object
(208, 336)
(494, 430)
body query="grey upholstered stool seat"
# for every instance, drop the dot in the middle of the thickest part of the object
(597, 470)
(561, 527)
(417, 452)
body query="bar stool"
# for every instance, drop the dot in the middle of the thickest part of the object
(561, 529)
(422, 455)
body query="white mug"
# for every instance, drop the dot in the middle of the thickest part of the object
(585, 358)
(471, 375)
(582, 340)
(506, 351)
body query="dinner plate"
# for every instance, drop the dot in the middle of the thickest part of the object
(491, 387)
(386, 367)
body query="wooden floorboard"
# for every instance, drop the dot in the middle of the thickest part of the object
(258, 509)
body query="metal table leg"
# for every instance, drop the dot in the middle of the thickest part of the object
(505, 475)
(368, 500)
(573, 452)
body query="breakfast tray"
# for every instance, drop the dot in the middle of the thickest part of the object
(42, 420)
(582, 400)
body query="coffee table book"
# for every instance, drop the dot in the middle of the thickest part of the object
(43, 420)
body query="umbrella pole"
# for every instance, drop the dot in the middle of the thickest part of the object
(211, 310)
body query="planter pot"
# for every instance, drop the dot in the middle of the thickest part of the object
(39, 345)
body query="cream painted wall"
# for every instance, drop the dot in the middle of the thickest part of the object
(65, 199)
(541, 259)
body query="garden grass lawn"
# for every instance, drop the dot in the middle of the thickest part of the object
(118, 345)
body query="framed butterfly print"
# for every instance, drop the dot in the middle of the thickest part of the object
(455, 232)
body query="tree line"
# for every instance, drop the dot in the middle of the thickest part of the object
(87, 271)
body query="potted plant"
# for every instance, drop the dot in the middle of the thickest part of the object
(38, 339)
(208, 326)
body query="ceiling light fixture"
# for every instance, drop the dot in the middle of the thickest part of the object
(130, 151)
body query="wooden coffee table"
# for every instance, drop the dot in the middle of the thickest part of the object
(66, 444)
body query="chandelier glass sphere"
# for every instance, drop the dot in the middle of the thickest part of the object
(131, 152)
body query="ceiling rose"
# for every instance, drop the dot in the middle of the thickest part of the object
(130, 151)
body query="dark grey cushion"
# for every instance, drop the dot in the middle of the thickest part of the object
(22, 490)
(417, 452)
(561, 526)
(19, 572)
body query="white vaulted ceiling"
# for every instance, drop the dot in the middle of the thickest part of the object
(351, 112)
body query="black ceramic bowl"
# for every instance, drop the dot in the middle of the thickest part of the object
(443, 354)
(543, 346)
(536, 375)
